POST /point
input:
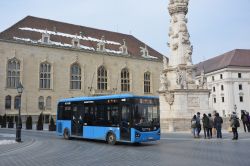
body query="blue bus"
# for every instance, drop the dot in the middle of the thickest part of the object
(113, 118)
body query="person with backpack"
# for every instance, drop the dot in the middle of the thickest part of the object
(194, 126)
(235, 123)
(218, 124)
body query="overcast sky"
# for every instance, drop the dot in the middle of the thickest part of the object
(215, 26)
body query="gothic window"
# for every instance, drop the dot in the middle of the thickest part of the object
(125, 83)
(75, 76)
(45, 75)
(102, 78)
(13, 73)
(17, 102)
(147, 82)
(48, 102)
(8, 102)
(41, 103)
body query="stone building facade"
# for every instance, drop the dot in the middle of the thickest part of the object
(55, 60)
(228, 78)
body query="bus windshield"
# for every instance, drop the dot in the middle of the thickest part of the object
(146, 115)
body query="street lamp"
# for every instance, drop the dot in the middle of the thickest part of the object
(18, 127)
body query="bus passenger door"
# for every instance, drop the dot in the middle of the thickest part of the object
(77, 126)
(125, 123)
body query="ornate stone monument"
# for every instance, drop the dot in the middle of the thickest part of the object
(180, 97)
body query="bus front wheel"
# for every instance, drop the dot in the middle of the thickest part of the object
(66, 134)
(111, 139)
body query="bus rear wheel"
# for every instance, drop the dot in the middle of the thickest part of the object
(111, 139)
(66, 134)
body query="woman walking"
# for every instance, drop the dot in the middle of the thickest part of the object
(194, 126)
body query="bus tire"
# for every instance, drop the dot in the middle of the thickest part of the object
(111, 139)
(66, 134)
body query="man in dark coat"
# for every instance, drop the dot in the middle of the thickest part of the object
(218, 124)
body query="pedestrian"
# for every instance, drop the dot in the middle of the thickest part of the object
(211, 125)
(218, 124)
(245, 120)
(194, 126)
(234, 124)
(213, 116)
(205, 122)
(198, 120)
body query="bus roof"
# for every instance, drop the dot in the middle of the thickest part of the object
(95, 98)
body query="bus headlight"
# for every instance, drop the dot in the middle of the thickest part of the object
(159, 132)
(137, 135)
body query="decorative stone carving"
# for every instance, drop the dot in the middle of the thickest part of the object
(188, 55)
(175, 35)
(181, 78)
(175, 46)
(203, 81)
(185, 38)
(193, 102)
(101, 45)
(169, 97)
(165, 63)
(164, 82)
(183, 27)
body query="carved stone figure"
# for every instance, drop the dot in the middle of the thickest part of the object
(181, 78)
(175, 46)
(164, 82)
(185, 38)
(188, 55)
(169, 97)
(203, 81)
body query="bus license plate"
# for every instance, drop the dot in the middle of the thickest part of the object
(150, 138)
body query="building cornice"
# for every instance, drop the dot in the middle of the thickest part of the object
(77, 50)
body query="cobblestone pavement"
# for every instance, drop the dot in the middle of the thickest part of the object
(41, 148)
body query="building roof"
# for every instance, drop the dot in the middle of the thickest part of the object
(30, 29)
(234, 58)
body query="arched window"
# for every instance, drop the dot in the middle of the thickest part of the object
(41, 103)
(13, 73)
(8, 102)
(102, 78)
(147, 82)
(75, 76)
(45, 75)
(125, 83)
(17, 102)
(48, 102)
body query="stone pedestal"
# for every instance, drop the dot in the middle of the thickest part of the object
(176, 113)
